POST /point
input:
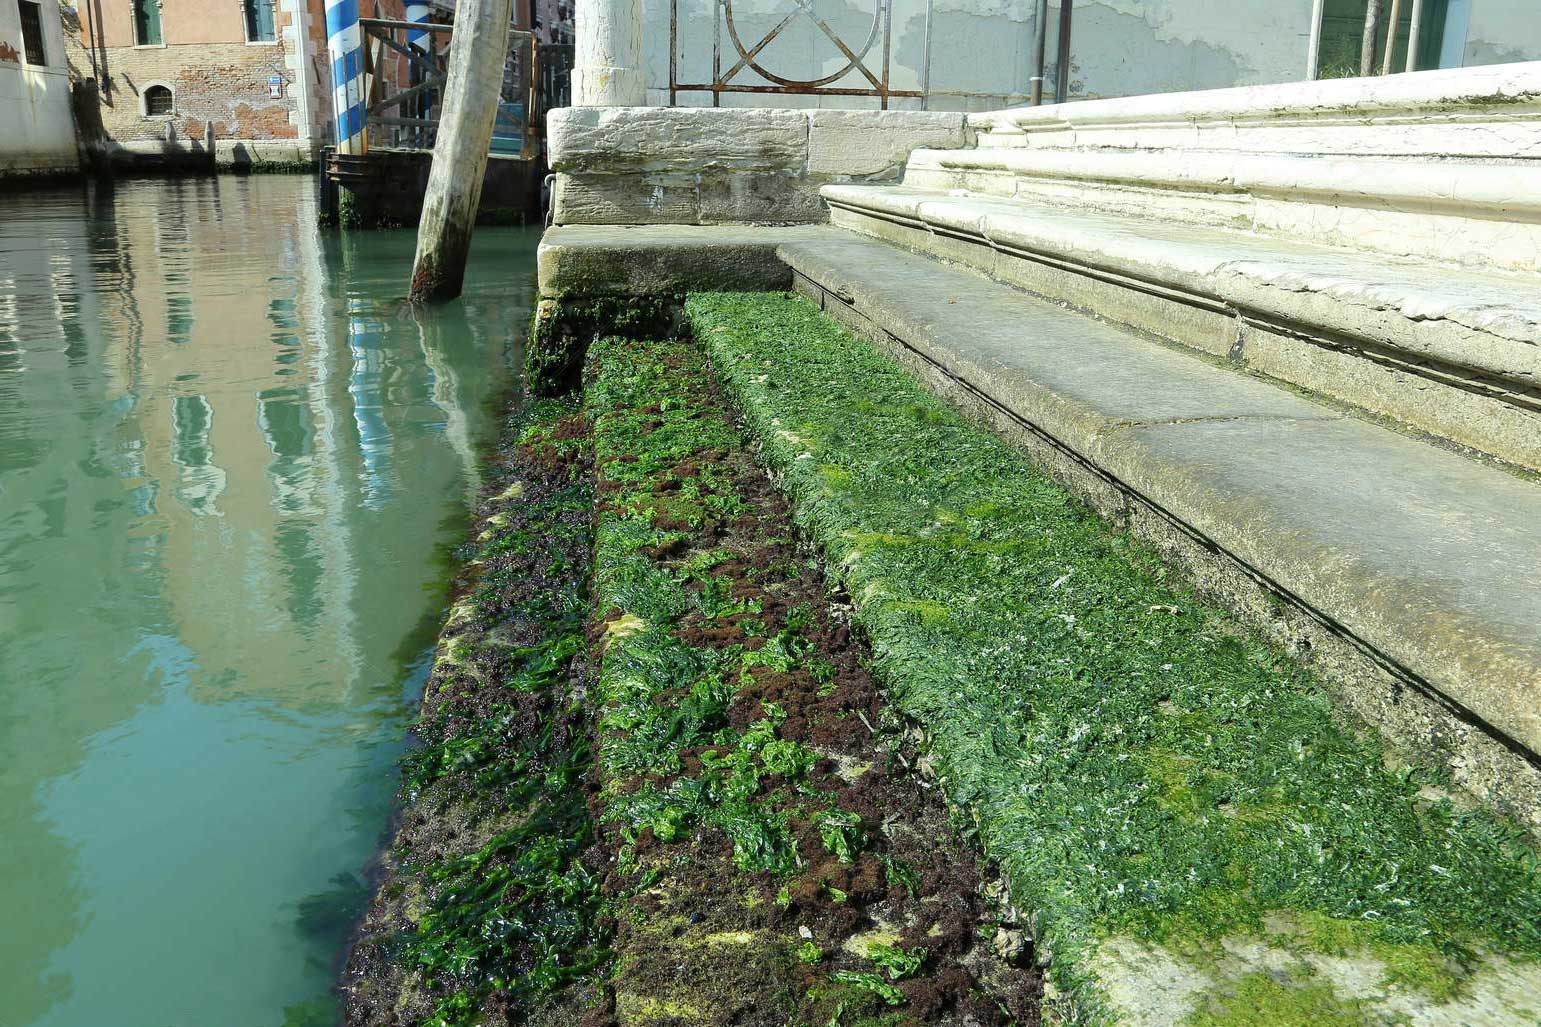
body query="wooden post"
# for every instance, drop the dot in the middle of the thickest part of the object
(478, 49)
(1367, 44)
(1391, 36)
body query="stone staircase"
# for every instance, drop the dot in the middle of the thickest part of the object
(1290, 335)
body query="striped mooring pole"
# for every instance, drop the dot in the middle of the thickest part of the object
(418, 13)
(345, 48)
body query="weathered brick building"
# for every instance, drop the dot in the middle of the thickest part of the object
(251, 73)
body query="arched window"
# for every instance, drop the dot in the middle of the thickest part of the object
(158, 102)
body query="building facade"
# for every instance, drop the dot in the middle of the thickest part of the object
(252, 75)
(37, 131)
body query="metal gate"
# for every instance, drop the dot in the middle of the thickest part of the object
(870, 57)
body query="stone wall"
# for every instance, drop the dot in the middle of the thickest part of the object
(37, 130)
(643, 165)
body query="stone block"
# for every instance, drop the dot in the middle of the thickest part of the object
(637, 260)
(677, 139)
(759, 200)
(631, 199)
(875, 144)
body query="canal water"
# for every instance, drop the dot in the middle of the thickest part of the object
(232, 465)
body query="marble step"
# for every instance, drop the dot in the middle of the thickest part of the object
(1448, 351)
(1411, 574)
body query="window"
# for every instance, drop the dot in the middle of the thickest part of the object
(32, 31)
(1438, 38)
(147, 22)
(259, 20)
(158, 102)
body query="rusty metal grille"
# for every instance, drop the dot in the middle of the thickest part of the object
(869, 58)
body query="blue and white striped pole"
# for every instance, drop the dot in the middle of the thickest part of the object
(345, 47)
(418, 13)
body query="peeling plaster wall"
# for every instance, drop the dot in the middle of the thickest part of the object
(983, 48)
(1131, 47)
(1503, 31)
(37, 128)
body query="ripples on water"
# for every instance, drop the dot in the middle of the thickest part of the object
(230, 461)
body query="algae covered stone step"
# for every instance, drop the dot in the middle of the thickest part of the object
(1198, 838)
(773, 863)
(1414, 569)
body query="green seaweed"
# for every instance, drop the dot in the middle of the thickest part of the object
(728, 789)
(1135, 761)
(521, 913)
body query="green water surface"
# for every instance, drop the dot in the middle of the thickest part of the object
(232, 464)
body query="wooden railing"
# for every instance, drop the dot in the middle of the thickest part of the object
(405, 83)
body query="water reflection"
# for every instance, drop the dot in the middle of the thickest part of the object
(228, 455)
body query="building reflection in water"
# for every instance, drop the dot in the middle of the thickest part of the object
(228, 457)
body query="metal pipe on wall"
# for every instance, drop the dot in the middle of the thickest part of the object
(1040, 39)
(1062, 54)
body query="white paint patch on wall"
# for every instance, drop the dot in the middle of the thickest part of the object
(1502, 31)
(37, 128)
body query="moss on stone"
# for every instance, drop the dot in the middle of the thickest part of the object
(562, 330)
(1261, 1000)
(1138, 763)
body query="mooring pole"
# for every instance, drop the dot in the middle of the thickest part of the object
(345, 48)
(1367, 44)
(478, 49)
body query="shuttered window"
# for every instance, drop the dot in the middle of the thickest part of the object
(32, 31)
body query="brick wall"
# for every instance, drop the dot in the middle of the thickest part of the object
(225, 84)
(216, 77)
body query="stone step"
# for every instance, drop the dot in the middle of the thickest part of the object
(1449, 351)
(1411, 574)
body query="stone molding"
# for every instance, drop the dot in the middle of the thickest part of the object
(1438, 165)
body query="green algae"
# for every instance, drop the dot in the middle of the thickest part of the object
(707, 621)
(503, 742)
(561, 332)
(730, 786)
(1135, 762)
(1260, 1000)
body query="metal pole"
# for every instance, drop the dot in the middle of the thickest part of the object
(1062, 54)
(1040, 39)
(925, 64)
(1413, 35)
(1314, 47)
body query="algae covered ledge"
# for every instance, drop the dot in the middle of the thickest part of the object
(777, 692)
